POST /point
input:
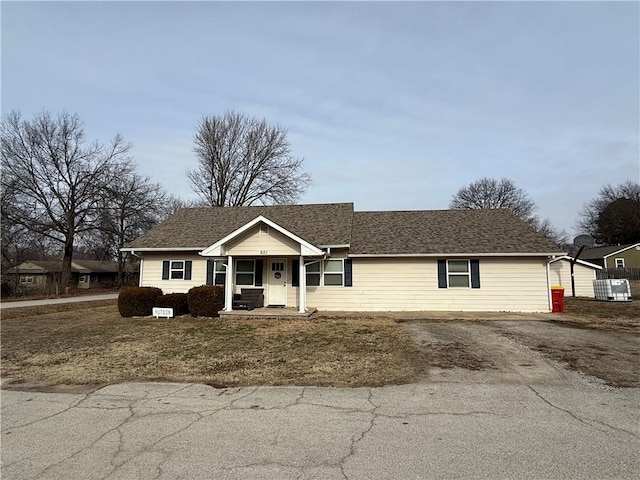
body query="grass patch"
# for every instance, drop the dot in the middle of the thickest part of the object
(90, 343)
(614, 316)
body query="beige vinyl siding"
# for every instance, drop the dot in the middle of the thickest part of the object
(560, 274)
(395, 284)
(151, 271)
(411, 284)
(254, 243)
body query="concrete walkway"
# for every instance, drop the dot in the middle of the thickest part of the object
(52, 301)
(440, 431)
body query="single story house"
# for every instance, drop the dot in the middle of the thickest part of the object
(330, 257)
(616, 256)
(43, 274)
(584, 273)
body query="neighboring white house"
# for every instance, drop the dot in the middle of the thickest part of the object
(584, 273)
(331, 257)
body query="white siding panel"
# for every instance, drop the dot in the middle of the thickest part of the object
(514, 284)
(254, 243)
(401, 284)
(151, 272)
(560, 274)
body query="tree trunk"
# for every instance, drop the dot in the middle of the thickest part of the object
(120, 276)
(65, 278)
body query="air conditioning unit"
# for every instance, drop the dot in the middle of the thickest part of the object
(612, 290)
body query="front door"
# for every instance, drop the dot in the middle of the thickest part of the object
(278, 282)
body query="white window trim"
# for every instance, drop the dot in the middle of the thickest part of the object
(236, 272)
(459, 274)
(171, 269)
(616, 262)
(318, 273)
(323, 272)
(223, 272)
(83, 278)
(26, 279)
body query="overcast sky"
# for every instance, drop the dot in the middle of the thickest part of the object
(394, 106)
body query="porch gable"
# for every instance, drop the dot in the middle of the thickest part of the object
(261, 237)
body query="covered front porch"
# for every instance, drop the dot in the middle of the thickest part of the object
(269, 312)
(261, 255)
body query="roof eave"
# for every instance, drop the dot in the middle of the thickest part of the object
(622, 250)
(162, 249)
(464, 254)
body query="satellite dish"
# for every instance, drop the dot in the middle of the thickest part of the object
(584, 240)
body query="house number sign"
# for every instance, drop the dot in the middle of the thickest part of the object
(263, 252)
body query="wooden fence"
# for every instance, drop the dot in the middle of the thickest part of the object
(630, 273)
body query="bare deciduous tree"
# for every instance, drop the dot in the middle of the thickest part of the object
(174, 203)
(243, 161)
(613, 217)
(56, 176)
(131, 204)
(489, 193)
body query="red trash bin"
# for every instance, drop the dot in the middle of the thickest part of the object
(557, 299)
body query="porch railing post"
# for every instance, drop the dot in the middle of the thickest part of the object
(228, 285)
(302, 287)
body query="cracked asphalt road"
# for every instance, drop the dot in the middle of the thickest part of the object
(439, 430)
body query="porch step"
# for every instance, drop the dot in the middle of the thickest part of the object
(266, 312)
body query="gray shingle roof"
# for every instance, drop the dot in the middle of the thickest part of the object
(600, 252)
(405, 232)
(445, 231)
(324, 224)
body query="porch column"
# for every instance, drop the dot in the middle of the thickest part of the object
(302, 288)
(228, 286)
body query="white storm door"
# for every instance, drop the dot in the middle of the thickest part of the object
(278, 282)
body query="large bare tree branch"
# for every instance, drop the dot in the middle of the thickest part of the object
(243, 161)
(56, 177)
(489, 193)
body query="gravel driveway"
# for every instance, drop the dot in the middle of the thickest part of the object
(527, 352)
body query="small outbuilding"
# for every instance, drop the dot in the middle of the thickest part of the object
(584, 273)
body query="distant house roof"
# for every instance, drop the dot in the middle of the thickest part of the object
(366, 233)
(54, 266)
(602, 252)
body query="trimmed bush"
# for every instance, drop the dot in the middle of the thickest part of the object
(137, 301)
(206, 300)
(177, 301)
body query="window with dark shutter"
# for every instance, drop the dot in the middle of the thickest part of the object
(348, 272)
(475, 273)
(442, 274)
(295, 273)
(165, 270)
(259, 264)
(210, 267)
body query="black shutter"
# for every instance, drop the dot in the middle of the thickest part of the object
(348, 272)
(258, 273)
(209, 272)
(442, 274)
(165, 270)
(295, 273)
(187, 270)
(475, 273)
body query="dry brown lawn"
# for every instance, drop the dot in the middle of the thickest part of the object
(89, 343)
(615, 316)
